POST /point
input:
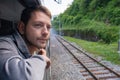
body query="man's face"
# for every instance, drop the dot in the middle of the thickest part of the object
(37, 30)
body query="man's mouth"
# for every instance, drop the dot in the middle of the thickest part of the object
(42, 40)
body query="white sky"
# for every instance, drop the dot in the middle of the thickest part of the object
(56, 8)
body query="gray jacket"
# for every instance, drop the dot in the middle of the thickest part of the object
(15, 61)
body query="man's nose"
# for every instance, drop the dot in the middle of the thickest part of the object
(45, 30)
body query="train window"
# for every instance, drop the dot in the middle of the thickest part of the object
(0, 24)
(6, 27)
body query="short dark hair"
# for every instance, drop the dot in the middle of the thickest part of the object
(26, 13)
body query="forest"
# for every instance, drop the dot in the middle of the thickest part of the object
(94, 20)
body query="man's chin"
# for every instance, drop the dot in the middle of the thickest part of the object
(42, 46)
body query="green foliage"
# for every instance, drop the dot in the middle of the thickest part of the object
(93, 5)
(105, 33)
(93, 17)
(76, 19)
(107, 11)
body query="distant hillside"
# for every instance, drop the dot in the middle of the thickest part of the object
(91, 19)
(107, 11)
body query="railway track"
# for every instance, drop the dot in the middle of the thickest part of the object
(90, 68)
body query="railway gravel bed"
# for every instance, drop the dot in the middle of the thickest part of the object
(64, 67)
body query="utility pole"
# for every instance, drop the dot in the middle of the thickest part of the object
(58, 1)
(60, 27)
(59, 22)
(119, 44)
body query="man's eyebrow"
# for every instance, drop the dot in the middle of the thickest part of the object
(42, 22)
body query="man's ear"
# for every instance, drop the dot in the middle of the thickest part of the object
(21, 27)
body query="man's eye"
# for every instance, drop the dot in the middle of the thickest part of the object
(38, 25)
(48, 27)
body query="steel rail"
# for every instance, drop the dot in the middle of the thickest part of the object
(118, 75)
(78, 60)
(92, 58)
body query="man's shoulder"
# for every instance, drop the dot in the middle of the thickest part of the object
(6, 39)
(6, 42)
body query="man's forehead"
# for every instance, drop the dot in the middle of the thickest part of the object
(38, 14)
(40, 17)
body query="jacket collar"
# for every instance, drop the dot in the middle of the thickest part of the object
(20, 43)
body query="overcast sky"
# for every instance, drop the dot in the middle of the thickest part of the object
(56, 8)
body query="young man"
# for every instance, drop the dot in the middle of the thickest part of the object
(22, 54)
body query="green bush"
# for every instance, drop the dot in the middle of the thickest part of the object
(93, 18)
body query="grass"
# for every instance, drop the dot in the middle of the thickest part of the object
(107, 51)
